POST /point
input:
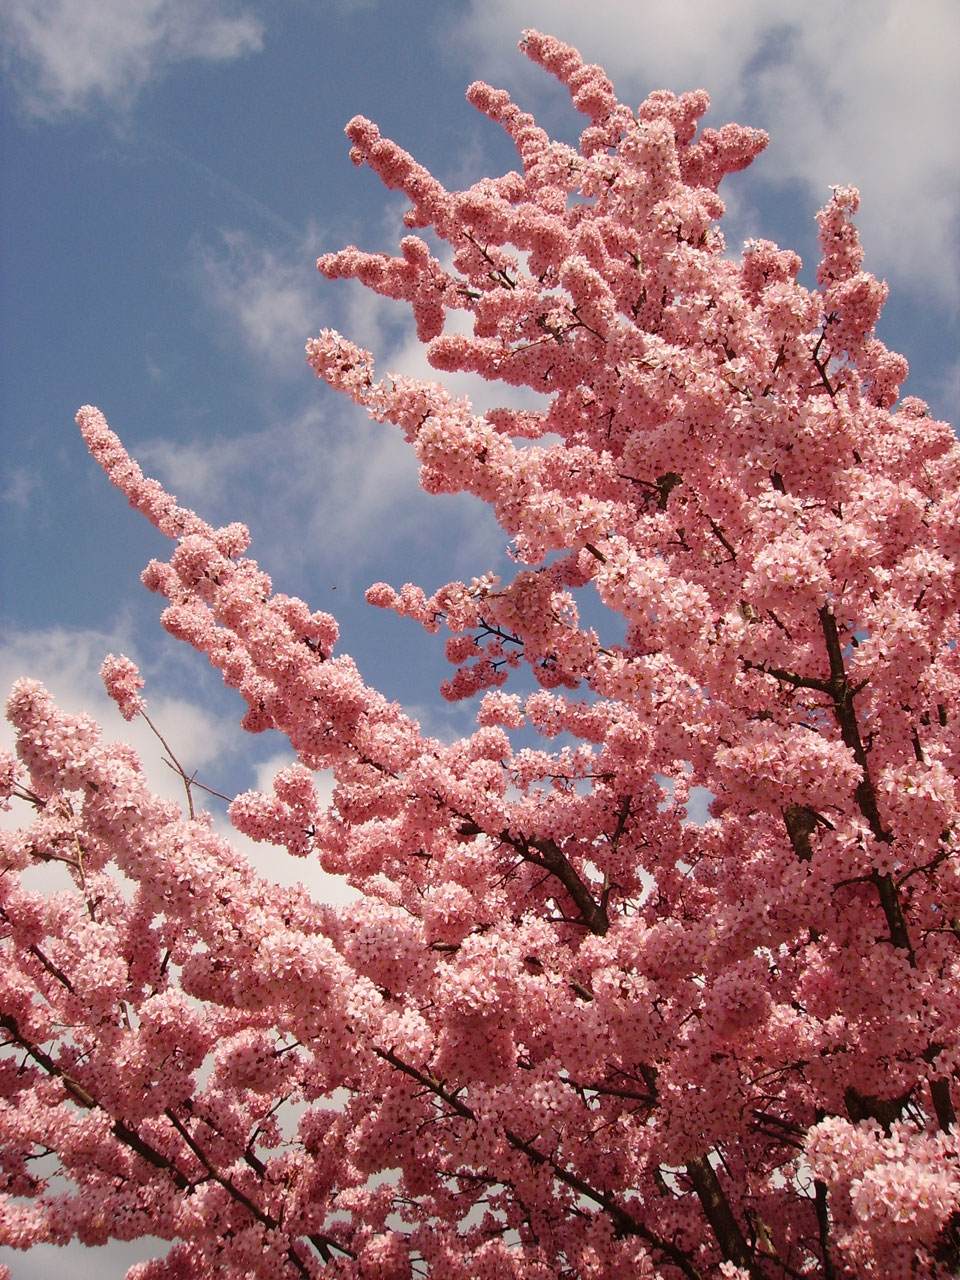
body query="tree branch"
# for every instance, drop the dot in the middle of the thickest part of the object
(720, 1216)
(846, 717)
(623, 1221)
(823, 1225)
(120, 1129)
(553, 860)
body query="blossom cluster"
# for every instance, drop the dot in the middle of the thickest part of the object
(572, 1026)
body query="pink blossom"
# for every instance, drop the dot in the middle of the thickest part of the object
(654, 972)
(122, 680)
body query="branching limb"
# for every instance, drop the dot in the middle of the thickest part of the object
(120, 1129)
(624, 1222)
(820, 366)
(846, 717)
(823, 1225)
(552, 859)
(718, 1213)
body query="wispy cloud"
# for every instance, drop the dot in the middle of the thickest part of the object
(243, 200)
(268, 299)
(67, 662)
(323, 490)
(114, 1258)
(275, 863)
(68, 55)
(322, 484)
(20, 486)
(948, 389)
(320, 492)
(849, 93)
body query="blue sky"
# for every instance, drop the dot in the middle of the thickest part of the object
(173, 168)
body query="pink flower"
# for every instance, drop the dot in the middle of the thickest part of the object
(122, 680)
(654, 971)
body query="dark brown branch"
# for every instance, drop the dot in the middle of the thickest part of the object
(840, 691)
(820, 367)
(924, 868)
(940, 1093)
(720, 1216)
(782, 1126)
(622, 819)
(552, 859)
(623, 1221)
(788, 677)
(583, 992)
(320, 1242)
(124, 1133)
(666, 485)
(721, 538)
(51, 968)
(841, 694)
(228, 1185)
(801, 821)
(498, 274)
(862, 1106)
(823, 1226)
(582, 324)
(846, 717)
(120, 1129)
(943, 1104)
(609, 1090)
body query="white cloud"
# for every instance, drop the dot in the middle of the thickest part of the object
(322, 486)
(948, 390)
(675, 39)
(66, 55)
(408, 355)
(275, 863)
(876, 108)
(278, 866)
(22, 483)
(315, 490)
(268, 300)
(42, 1261)
(861, 94)
(330, 486)
(67, 662)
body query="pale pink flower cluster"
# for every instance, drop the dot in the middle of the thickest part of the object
(573, 1025)
(123, 681)
(893, 1193)
(9, 777)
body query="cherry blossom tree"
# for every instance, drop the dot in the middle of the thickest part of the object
(565, 1031)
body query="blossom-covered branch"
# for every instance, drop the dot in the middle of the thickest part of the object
(572, 1027)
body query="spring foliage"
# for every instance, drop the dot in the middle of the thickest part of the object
(564, 1031)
